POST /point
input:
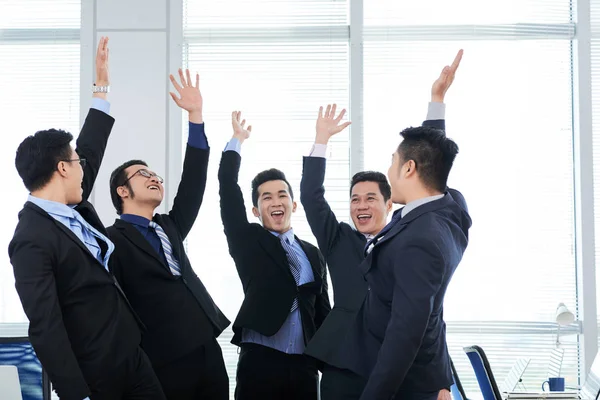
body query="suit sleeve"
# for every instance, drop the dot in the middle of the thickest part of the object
(418, 275)
(322, 306)
(91, 145)
(323, 222)
(233, 210)
(36, 286)
(190, 192)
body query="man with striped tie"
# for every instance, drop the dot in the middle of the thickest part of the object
(151, 265)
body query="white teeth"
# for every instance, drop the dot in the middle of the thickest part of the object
(363, 216)
(153, 187)
(277, 213)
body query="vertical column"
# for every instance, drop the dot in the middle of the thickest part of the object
(356, 86)
(584, 187)
(141, 58)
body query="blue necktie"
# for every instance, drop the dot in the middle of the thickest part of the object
(90, 234)
(371, 243)
(167, 249)
(294, 265)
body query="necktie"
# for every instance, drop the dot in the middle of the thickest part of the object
(294, 265)
(167, 249)
(371, 243)
(90, 234)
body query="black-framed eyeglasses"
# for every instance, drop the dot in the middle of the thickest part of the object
(146, 174)
(82, 161)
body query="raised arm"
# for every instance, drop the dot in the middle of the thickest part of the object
(94, 134)
(322, 220)
(35, 284)
(195, 165)
(233, 210)
(437, 108)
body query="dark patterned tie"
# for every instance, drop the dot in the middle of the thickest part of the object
(294, 262)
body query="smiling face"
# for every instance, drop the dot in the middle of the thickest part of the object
(275, 206)
(144, 187)
(368, 208)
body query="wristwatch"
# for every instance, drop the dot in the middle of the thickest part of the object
(100, 89)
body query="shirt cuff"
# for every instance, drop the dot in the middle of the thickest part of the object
(318, 150)
(436, 111)
(100, 105)
(234, 145)
(197, 137)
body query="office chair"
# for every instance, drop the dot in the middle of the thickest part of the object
(483, 372)
(19, 352)
(457, 390)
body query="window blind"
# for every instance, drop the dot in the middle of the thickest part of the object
(39, 77)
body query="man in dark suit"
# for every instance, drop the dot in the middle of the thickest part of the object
(398, 342)
(151, 265)
(343, 246)
(80, 324)
(284, 281)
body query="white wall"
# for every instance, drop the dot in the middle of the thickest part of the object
(145, 46)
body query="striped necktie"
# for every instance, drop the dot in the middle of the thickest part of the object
(294, 262)
(167, 249)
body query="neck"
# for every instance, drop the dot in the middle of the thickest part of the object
(421, 193)
(146, 211)
(51, 193)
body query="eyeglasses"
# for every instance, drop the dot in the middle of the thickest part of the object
(146, 174)
(82, 161)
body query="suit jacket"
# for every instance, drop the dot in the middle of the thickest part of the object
(80, 323)
(177, 311)
(343, 249)
(399, 337)
(262, 265)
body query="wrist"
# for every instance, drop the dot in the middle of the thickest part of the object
(239, 138)
(102, 96)
(196, 117)
(436, 98)
(321, 139)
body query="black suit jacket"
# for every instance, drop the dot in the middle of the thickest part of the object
(263, 267)
(80, 323)
(399, 337)
(178, 312)
(343, 249)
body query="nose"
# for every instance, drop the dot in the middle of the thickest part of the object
(154, 179)
(363, 205)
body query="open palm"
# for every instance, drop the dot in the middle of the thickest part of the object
(328, 125)
(189, 98)
(239, 129)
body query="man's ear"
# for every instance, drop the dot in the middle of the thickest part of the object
(123, 192)
(411, 168)
(255, 212)
(294, 205)
(388, 206)
(61, 169)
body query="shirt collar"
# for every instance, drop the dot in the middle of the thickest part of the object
(288, 236)
(419, 202)
(53, 207)
(136, 220)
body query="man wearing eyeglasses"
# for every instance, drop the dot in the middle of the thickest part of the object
(151, 265)
(81, 326)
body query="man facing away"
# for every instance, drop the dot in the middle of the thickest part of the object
(80, 324)
(343, 246)
(398, 341)
(151, 265)
(284, 281)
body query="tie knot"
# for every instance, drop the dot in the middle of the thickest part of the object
(152, 224)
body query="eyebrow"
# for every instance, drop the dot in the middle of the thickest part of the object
(368, 194)
(269, 193)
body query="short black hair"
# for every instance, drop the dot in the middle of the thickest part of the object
(118, 178)
(266, 176)
(432, 152)
(373, 176)
(38, 155)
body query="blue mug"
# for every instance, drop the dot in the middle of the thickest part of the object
(555, 384)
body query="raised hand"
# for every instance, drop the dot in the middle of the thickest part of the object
(102, 76)
(189, 98)
(328, 125)
(240, 132)
(442, 84)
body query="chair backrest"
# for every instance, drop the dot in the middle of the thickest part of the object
(457, 390)
(9, 383)
(483, 372)
(19, 352)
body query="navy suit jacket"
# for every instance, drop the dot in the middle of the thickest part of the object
(399, 337)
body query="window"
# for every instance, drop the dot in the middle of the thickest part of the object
(277, 62)
(39, 76)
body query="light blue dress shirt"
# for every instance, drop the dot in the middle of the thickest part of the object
(290, 337)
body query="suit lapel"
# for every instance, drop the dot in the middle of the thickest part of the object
(135, 237)
(270, 243)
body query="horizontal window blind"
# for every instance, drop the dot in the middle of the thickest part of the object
(39, 76)
(277, 62)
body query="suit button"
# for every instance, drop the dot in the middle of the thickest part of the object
(369, 288)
